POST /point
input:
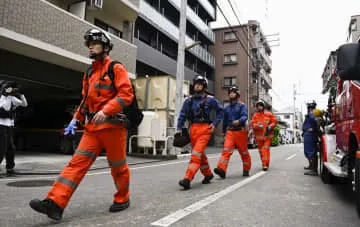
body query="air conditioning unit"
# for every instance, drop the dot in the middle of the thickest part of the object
(95, 4)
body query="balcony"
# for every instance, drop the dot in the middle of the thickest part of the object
(208, 7)
(172, 31)
(266, 78)
(266, 58)
(266, 97)
(196, 20)
(48, 33)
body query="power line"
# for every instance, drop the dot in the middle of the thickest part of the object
(237, 18)
(232, 29)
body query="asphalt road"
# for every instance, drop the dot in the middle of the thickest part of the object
(283, 196)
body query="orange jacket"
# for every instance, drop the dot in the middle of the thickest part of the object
(103, 96)
(264, 118)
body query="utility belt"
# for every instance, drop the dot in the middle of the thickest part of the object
(309, 130)
(201, 121)
(236, 128)
(116, 118)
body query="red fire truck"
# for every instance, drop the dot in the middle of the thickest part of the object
(340, 150)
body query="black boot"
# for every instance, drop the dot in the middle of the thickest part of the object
(207, 179)
(246, 173)
(48, 207)
(265, 168)
(309, 166)
(220, 172)
(10, 172)
(314, 165)
(115, 207)
(185, 183)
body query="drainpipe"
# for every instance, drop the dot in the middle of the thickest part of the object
(147, 92)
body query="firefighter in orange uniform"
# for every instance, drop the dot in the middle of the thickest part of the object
(197, 109)
(234, 125)
(263, 123)
(103, 101)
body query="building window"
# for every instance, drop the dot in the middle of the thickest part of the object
(287, 116)
(229, 81)
(226, 103)
(108, 28)
(230, 59)
(229, 36)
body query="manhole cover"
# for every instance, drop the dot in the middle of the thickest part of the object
(31, 183)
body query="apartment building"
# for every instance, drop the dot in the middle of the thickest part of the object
(248, 67)
(42, 48)
(42, 45)
(157, 36)
(294, 122)
(354, 29)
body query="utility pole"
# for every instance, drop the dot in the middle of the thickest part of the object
(294, 89)
(180, 62)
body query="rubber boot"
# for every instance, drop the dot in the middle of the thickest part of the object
(207, 179)
(246, 173)
(115, 207)
(220, 172)
(185, 183)
(48, 207)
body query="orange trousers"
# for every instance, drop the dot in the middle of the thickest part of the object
(113, 140)
(234, 139)
(200, 135)
(264, 150)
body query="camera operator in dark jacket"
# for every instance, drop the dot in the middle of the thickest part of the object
(10, 99)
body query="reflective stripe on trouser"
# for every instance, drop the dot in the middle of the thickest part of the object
(234, 139)
(200, 135)
(264, 150)
(113, 140)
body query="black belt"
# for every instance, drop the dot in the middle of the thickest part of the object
(201, 121)
(236, 128)
(119, 117)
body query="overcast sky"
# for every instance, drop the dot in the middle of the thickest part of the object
(309, 30)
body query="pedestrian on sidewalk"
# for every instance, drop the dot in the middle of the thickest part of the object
(311, 133)
(263, 122)
(103, 99)
(197, 110)
(235, 131)
(10, 100)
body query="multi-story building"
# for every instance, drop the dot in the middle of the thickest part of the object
(248, 67)
(42, 47)
(354, 29)
(294, 122)
(157, 36)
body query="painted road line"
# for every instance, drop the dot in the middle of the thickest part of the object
(177, 215)
(291, 157)
(105, 172)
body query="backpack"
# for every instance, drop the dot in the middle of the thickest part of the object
(134, 115)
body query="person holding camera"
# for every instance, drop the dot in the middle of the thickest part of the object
(10, 100)
(197, 110)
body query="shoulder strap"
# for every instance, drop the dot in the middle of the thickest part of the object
(110, 71)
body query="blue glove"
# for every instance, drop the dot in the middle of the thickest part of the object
(261, 126)
(71, 127)
(268, 128)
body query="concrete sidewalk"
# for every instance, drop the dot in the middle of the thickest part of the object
(49, 163)
(40, 163)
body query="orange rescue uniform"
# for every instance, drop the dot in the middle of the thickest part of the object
(264, 118)
(111, 97)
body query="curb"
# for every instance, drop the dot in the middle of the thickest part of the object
(24, 172)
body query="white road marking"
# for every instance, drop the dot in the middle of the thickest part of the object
(291, 157)
(104, 172)
(177, 215)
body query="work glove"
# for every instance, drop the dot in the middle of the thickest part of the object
(267, 130)
(71, 127)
